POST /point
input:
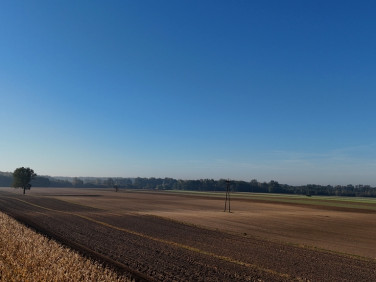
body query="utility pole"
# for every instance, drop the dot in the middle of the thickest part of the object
(228, 182)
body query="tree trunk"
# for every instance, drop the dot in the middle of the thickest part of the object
(24, 190)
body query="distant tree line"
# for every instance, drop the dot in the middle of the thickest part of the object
(197, 185)
(244, 186)
(253, 186)
(6, 179)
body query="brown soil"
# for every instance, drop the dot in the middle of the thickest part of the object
(135, 230)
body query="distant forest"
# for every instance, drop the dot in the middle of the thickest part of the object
(196, 185)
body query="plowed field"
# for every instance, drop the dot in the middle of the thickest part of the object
(181, 237)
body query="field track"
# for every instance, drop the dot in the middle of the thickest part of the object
(154, 248)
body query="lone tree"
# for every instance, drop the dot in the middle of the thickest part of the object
(22, 177)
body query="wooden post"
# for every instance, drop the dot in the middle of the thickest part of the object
(228, 182)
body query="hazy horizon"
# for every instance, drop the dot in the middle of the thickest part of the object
(266, 90)
(216, 179)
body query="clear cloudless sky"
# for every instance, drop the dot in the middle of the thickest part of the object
(266, 90)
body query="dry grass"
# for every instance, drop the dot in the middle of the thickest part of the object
(28, 256)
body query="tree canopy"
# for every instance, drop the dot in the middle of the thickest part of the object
(22, 177)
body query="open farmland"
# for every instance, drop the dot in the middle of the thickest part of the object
(173, 236)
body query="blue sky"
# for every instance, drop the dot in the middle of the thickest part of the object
(281, 90)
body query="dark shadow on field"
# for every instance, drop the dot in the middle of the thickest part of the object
(76, 195)
(25, 202)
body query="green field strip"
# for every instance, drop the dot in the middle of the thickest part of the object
(171, 243)
(340, 202)
(319, 202)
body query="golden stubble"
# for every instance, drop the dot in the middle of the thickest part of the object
(28, 256)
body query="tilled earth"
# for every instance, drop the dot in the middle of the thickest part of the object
(154, 248)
